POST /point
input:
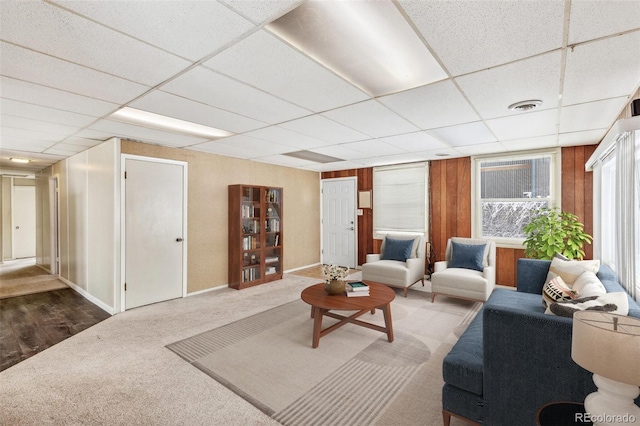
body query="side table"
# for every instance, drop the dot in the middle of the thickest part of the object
(563, 414)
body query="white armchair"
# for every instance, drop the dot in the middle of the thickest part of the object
(389, 268)
(468, 272)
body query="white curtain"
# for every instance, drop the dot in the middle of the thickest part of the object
(626, 208)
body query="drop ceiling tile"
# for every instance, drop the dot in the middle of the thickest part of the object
(371, 118)
(142, 134)
(549, 141)
(414, 142)
(279, 135)
(593, 19)
(83, 143)
(260, 11)
(67, 147)
(464, 134)
(473, 35)
(73, 38)
(92, 134)
(259, 147)
(215, 147)
(267, 63)
(440, 154)
(533, 78)
(589, 137)
(57, 150)
(285, 160)
(191, 29)
(320, 127)
(45, 70)
(340, 151)
(45, 114)
(590, 116)
(22, 140)
(602, 69)
(525, 125)
(386, 160)
(481, 149)
(373, 148)
(209, 87)
(435, 105)
(53, 98)
(59, 130)
(184, 109)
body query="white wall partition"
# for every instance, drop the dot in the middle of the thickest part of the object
(89, 198)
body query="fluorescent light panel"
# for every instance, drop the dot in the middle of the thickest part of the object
(313, 156)
(20, 160)
(162, 122)
(369, 43)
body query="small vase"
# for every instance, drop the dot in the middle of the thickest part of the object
(334, 287)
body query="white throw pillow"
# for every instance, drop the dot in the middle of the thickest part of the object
(615, 303)
(556, 290)
(588, 285)
(570, 270)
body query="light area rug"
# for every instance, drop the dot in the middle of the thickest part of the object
(354, 377)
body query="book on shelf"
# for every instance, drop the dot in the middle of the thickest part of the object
(271, 259)
(357, 293)
(357, 286)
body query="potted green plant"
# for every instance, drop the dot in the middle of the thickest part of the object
(552, 231)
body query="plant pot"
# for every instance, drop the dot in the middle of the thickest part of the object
(334, 287)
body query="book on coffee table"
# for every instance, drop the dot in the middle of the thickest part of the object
(357, 293)
(357, 286)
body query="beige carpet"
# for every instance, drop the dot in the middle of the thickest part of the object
(20, 277)
(119, 372)
(352, 378)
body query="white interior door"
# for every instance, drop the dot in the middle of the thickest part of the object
(339, 221)
(154, 231)
(24, 221)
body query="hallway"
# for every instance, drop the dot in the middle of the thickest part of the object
(37, 311)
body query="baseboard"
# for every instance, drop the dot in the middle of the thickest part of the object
(206, 290)
(99, 303)
(288, 271)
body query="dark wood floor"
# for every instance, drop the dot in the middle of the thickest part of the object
(32, 323)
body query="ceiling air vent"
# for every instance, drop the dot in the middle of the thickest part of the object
(525, 105)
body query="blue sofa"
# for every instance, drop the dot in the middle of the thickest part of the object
(513, 358)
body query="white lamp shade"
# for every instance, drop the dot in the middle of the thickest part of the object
(605, 349)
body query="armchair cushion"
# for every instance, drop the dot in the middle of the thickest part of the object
(467, 256)
(397, 249)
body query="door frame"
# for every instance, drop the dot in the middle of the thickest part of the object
(123, 232)
(355, 216)
(54, 224)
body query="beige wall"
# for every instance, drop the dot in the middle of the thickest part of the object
(208, 180)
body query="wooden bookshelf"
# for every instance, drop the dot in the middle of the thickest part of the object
(255, 235)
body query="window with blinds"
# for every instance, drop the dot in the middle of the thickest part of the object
(508, 190)
(400, 199)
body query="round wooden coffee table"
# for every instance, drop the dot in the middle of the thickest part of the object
(380, 297)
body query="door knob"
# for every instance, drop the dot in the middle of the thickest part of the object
(352, 228)
(179, 239)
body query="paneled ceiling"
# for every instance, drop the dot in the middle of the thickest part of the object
(67, 65)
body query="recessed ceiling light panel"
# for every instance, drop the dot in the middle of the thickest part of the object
(162, 122)
(20, 160)
(525, 105)
(368, 43)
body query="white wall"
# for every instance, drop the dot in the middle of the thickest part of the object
(89, 197)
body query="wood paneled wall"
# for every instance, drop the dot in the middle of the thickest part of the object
(449, 202)
(450, 205)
